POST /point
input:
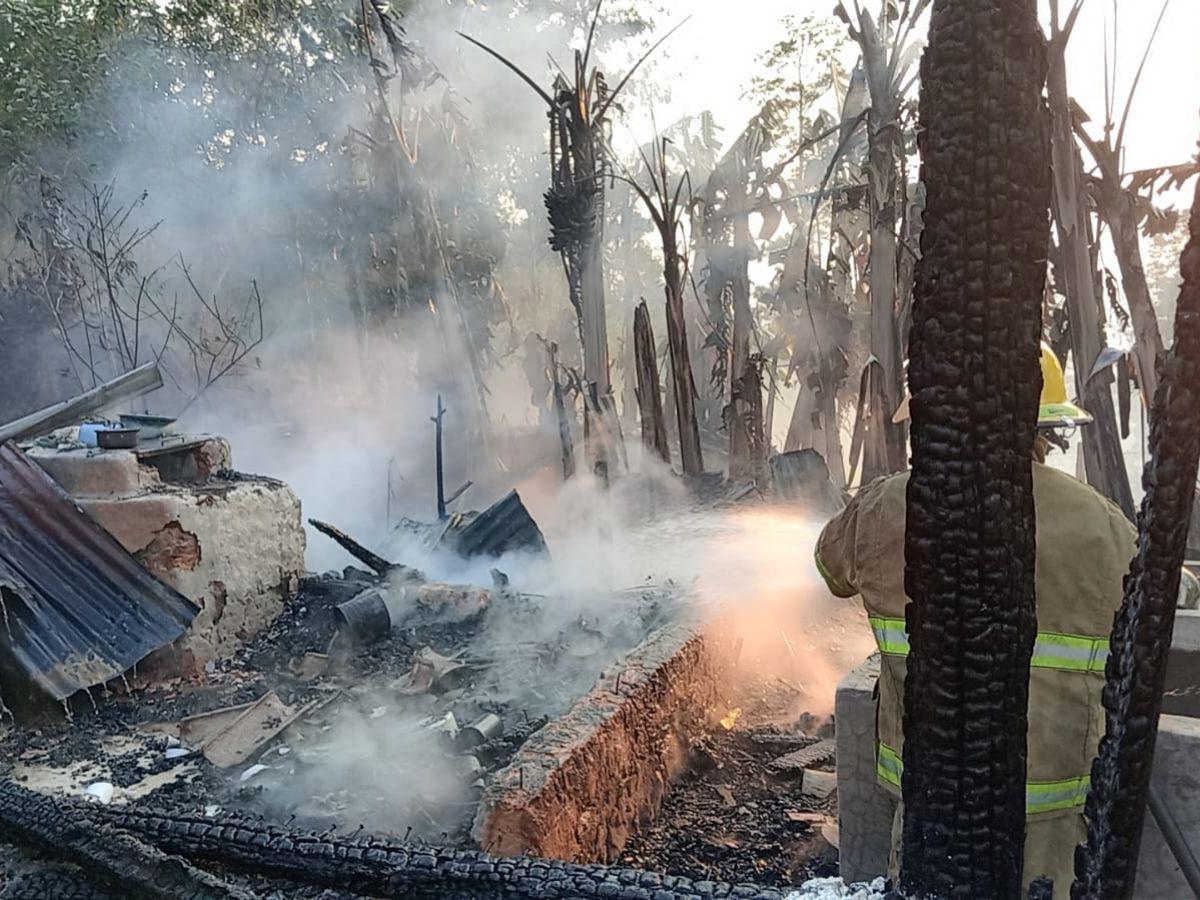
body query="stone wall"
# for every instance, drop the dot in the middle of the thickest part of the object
(579, 787)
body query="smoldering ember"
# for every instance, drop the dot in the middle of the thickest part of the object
(564, 448)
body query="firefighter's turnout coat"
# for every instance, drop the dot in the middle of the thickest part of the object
(1084, 546)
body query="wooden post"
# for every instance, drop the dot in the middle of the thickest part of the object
(441, 482)
(649, 389)
(560, 412)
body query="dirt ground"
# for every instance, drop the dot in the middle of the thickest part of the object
(737, 817)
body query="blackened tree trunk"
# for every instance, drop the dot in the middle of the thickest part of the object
(560, 414)
(1136, 673)
(745, 432)
(975, 382)
(681, 365)
(649, 389)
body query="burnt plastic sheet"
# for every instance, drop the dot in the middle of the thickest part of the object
(77, 608)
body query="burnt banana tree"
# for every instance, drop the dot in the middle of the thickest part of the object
(667, 208)
(889, 52)
(975, 383)
(1104, 463)
(1136, 671)
(579, 164)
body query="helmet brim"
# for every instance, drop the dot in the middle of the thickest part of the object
(1062, 415)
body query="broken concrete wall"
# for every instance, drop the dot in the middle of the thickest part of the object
(233, 544)
(579, 787)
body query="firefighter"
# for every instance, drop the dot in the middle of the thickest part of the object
(1084, 547)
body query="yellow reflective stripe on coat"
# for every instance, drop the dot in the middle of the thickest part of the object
(888, 764)
(836, 585)
(1048, 796)
(890, 635)
(1071, 652)
(1064, 652)
(1040, 796)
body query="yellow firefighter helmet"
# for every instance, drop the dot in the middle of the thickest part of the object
(1055, 410)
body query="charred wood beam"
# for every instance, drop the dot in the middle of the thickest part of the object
(111, 857)
(371, 560)
(1136, 671)
(649, 388)
(376, 867)
(975, 381)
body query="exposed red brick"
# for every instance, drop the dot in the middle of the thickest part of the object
(578, 788)
(170, 550)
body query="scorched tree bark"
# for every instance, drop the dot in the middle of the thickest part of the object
(1136, 671)
(975, 383)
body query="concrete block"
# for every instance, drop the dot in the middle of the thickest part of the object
(1176, 777)
(865, 810)
(1182, 696)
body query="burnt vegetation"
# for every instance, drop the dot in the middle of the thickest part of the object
(320, 222)
(973, 370)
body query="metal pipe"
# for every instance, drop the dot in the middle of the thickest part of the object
(1173, 835)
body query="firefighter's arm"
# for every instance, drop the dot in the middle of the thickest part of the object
(835, 552)
(1189, 591)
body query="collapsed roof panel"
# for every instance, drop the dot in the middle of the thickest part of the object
(77, 609)
(503, 527)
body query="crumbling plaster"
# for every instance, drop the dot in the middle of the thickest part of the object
(233, 544)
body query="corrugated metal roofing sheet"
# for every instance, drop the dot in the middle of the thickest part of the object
(503, 527)
(75, 608)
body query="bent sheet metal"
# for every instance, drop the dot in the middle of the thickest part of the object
(75, 608)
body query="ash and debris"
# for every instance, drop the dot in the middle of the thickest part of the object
(371, 750)
(836, 889)
(737, 815)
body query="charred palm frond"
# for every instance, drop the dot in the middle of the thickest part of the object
(974, 375)
(1136, 670)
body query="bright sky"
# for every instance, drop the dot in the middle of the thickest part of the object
(711, 64)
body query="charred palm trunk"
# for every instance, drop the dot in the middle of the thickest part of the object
(975, 381)
(666, 211)
(744, 431)
(882, 273)
(649, 390)
(575, 206)
(681, 361)
(1136, 669)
